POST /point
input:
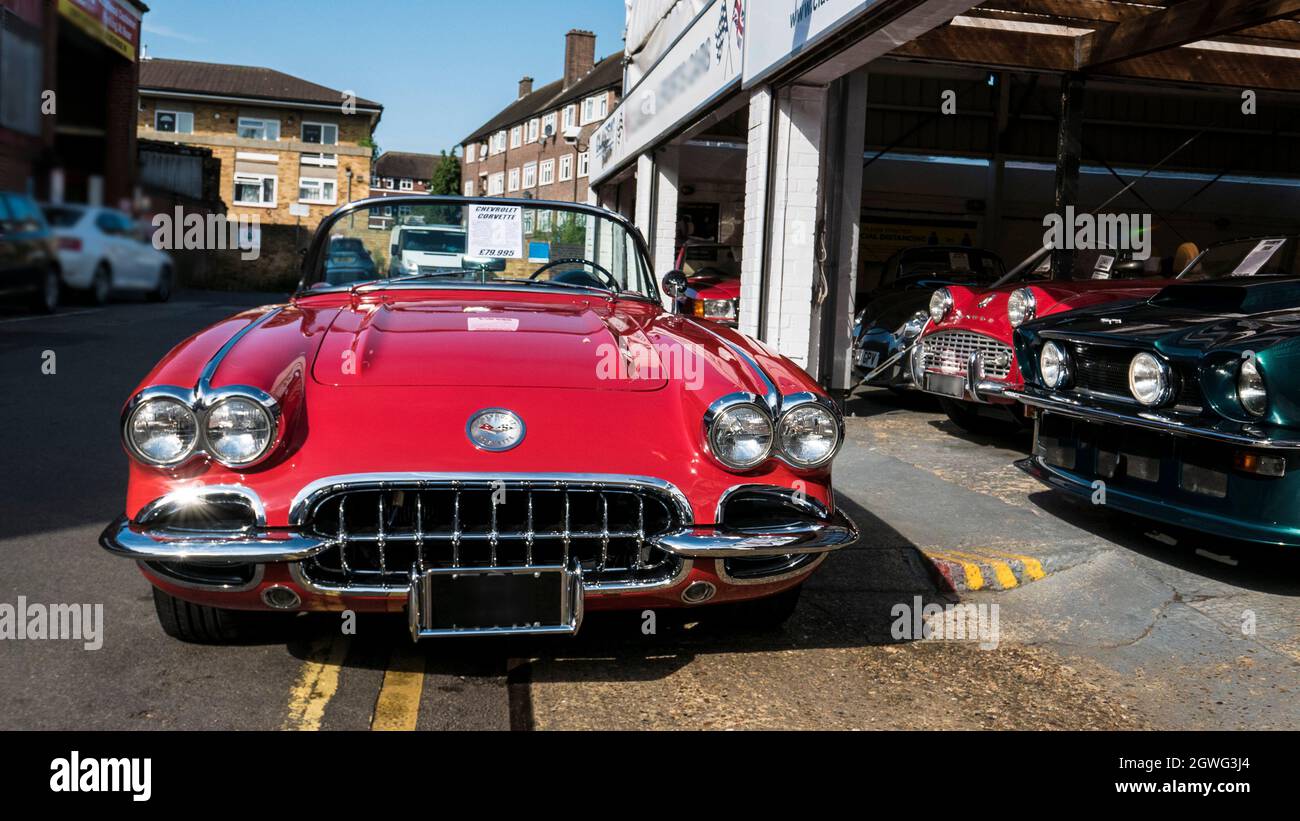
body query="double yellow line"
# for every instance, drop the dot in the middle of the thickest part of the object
(396, 708)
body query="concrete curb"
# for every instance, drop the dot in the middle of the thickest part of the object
(971, 569)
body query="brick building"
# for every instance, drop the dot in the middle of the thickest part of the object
(281, 140)
(78, 142)
(398, 173)
(538, 146)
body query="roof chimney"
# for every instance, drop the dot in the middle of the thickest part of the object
(525, 87)
(579, 55)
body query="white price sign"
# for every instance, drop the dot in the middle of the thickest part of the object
(496, 231)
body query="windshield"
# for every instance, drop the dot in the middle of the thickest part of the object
(1274, 257)
(966, 263)
(422, 241)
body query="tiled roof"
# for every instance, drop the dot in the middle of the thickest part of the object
(400, 164)
(220, 80)
(607, 73)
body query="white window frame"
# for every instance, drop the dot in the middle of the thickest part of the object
(496, 184)
(551, 120)
(566, 168)
(595, 108)
(530, 176)
(499, 142)
(546, 174)
(176, 117)
(512, 184)
(406, 184)
(516, 136)
(482, 151)
(321, 200)
(261, 180)
(388, 183)
(262, 123)
(469, 188)
(322, 159)
(533, 129)
(570, 116)
(584, 163)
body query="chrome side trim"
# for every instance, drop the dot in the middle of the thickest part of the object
(720, 543)
(123, 538)
(1249, 437)
(799, 565)
(309, 495)
(160, 507)
(210, 370)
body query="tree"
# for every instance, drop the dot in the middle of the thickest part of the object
(446, 175)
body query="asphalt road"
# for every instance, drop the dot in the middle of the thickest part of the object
(1124, 631)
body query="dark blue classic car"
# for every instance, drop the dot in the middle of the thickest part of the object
(1184, 408)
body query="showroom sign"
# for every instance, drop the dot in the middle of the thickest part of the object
(703, 64)
(113, 23)
(776, 36)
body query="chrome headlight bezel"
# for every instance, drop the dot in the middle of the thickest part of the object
(1022, 306)
(269, 414)
(146, 399)
(727, 407)
(1250, 379)
(200, 405)
(1163, 375)
(1061, 364)
(799, 403)
(940, 305)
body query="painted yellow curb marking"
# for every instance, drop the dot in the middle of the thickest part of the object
(318, 681)
(398, 705)
(1033, 567)
(1001, 570)
(974, 578)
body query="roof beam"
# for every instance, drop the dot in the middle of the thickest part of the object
(1176, 26)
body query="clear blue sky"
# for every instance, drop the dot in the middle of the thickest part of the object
(440, 68)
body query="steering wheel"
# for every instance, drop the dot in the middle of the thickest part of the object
(610, 281)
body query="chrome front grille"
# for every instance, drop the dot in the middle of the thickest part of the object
(949, 352)
(380, 532)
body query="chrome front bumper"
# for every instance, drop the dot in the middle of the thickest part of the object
(259, 546)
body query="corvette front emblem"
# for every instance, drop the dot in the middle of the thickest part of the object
(495, 429)
(984, 303)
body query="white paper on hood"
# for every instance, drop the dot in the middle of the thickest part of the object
(1258, 258)
(496, 231)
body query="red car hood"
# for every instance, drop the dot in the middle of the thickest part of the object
(485, 342)
(712, 287)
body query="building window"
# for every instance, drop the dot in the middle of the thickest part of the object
(255, 189)
(482, 151)
(584, 164)
(174, 122)
(548, 172)
(513, 185)
(570, 116)
(318, 191)
(251, 128)
(566, 168)
(530, 176)
(595, 108)
(320, 134)
(496, 184)
(406, 184)
(469, 188)
(469, 153)
(21, 74)
(374, 181)
(516, 136)
(498, 142)
(532, 130)
(548, 125)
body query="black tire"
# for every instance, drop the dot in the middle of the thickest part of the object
(164, 290)
(101, 285)
(196, 623)
(46, 300)
(765, 614)
(965, 416)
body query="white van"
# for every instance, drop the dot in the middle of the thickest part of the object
(433, 249)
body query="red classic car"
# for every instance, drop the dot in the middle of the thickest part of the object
(712, 282)
(966, 354)
(493, 449)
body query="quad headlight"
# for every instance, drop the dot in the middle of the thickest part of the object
(1251, 391)
(940, 304)
(162, 432)
(1021, 307)
(1054, 365)
(238, 431)
(740, 436)
(808, 435)
(1149, 380)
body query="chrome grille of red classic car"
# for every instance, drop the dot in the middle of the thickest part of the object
(380, 534)
(949, 352)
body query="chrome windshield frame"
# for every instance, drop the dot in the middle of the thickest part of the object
(316, 251)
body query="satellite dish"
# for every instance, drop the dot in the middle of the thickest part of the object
(549, 131)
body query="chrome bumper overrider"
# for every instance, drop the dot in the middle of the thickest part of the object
(125, 538)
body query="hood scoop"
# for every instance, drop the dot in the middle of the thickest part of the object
(1231, 297)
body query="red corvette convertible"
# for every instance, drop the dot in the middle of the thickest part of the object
(966, 354)
(491, 448)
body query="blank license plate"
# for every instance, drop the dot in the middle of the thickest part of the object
(539, 600)
(954, 386)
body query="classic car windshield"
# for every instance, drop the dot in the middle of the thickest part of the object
(1271, 257)
(972, 264)
(427, 241)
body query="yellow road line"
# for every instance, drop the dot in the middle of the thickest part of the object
(1001, 570)
(974, 578)
(317, 683)
(398, 706)
(1033, 567)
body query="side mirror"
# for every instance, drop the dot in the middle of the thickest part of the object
(675, 284)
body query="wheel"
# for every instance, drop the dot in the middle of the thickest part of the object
(967, 417)
(764, 614)
(196, 623)
(164, 290)
(47, 298)
(101, 285)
